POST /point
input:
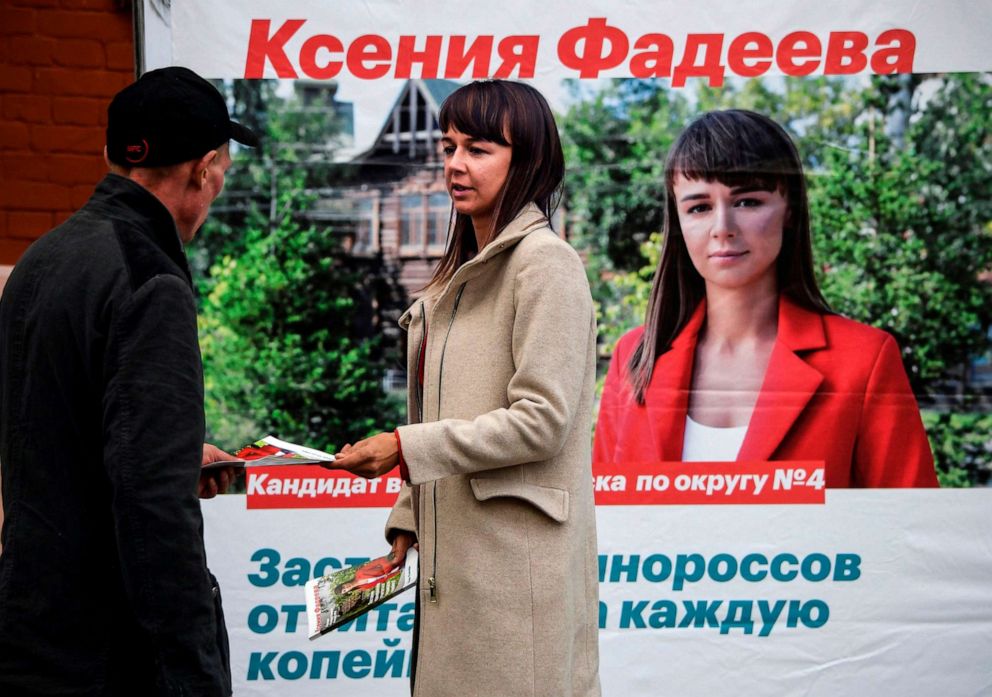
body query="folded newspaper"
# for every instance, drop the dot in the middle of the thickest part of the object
(270, 451)
(343, 595)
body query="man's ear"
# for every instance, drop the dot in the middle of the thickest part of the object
(106, 157)
(198, 176)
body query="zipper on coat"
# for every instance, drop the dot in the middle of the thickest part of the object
(432, 579)
(420, 366)
(419, 392)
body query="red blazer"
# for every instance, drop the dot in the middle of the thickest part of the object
(835, 390)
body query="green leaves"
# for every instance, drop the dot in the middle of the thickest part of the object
(282, 305)
(279, 349)
(901, 238)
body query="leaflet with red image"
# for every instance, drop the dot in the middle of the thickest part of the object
(270, 451)
(340, 596)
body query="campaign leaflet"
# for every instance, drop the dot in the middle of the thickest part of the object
(343, 595)
(269, 451)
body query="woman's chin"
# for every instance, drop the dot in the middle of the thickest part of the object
(737, 280)
(463, 207)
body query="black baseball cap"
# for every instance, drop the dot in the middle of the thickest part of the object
(167, 116)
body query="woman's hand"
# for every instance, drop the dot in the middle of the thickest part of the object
(403, 541)
(369, 458)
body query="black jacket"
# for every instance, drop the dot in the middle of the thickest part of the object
(104, 587)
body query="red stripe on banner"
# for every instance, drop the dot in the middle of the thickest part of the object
(309, 486)
(693, 483)
(630, 484)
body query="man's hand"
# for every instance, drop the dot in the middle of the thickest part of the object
(217, 480)
(369, 458)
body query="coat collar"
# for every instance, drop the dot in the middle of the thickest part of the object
(126, 199)
(529, 219)
(788, 385)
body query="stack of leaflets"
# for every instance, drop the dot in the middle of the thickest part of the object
(343, 595)
(269, 451)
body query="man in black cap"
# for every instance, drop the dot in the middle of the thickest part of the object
(104, 587)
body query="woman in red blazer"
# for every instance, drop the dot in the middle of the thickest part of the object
(740, 357)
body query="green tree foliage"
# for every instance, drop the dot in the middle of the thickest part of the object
(284, 328)
(902, 234)
(279, 348)
(297, 149)
(614, 143)
(629, 294)
(962, 447)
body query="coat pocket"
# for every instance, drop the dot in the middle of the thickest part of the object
(551, 501)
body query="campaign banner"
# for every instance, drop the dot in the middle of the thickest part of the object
(879, 590)
(789, 588)
(588, 39)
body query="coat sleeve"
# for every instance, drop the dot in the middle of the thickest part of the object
(552, 330)
(892, 449)
(153, 446)
(401, 516)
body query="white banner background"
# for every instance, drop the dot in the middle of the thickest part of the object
(916, 622)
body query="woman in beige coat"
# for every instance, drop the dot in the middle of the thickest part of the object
(501, 364)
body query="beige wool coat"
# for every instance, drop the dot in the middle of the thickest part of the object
(498, 451)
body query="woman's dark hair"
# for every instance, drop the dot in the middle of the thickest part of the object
(736, 148)
(507, 113)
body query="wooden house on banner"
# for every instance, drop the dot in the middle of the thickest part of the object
(391, 200)
(394, 202)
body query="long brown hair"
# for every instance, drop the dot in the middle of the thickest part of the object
(736, 148)
(507, 113)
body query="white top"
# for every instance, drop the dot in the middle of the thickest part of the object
(709, 444)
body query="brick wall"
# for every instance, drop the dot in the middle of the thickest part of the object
(60, 63)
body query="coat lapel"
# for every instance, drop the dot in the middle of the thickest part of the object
(674, 371)
(789, 382)
(669, 389)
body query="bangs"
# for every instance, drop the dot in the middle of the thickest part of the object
(477, 112)
(734, 151)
